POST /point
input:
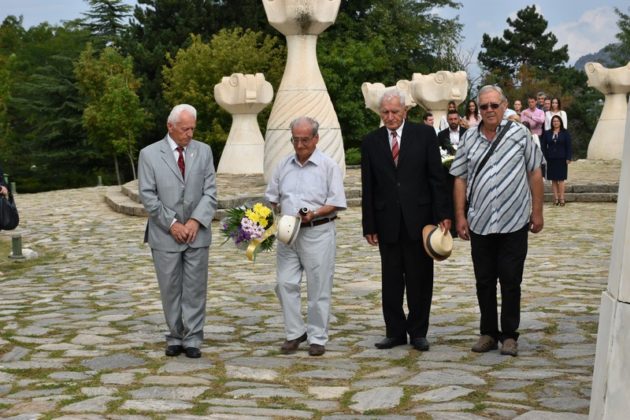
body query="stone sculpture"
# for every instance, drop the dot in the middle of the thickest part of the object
(607, 140)
(302, 90)
(372, 93)
(611, 378)
(434, 91)
(243, 96)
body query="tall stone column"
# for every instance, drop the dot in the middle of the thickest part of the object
(302, 91)
(607, 140)
(610, 397)
(434, 91)
(243, 96)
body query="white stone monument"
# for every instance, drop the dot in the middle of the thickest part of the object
(610, 393)
(372, 93)
(434, 91)
(302, 91)
(607, 140)
(243, 96)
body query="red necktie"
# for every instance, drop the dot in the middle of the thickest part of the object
(395, 147)
(180, 161)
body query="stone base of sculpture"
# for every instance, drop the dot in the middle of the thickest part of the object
(611, 376)
(244, 149)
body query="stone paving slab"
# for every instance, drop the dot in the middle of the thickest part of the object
(81, 329)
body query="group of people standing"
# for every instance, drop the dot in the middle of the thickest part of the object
(494, 197)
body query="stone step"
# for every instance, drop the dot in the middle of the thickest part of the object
(126, 201)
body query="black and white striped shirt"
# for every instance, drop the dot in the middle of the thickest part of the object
(502, 198)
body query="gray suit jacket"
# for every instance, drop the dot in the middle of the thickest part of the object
(166, 196)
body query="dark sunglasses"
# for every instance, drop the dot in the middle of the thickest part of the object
(485, 107)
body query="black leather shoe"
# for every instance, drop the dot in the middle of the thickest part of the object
(291, 346)
(193, 352)
(173, 351)
(420, 343)
(389, 342)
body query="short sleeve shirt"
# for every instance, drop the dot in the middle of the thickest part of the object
(501, 200)
(317, 183)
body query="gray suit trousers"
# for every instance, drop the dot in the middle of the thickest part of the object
(183, 280)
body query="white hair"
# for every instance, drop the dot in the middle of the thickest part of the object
(305, 120)
(176, 112)
(390, 94)
(491, 88)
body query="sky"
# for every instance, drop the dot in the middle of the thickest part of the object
(584, 25)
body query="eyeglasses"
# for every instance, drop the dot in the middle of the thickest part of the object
(303, 140)
(492, 105)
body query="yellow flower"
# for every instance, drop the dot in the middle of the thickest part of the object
(262, 213)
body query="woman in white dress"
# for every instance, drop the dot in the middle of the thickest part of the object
(556, 109)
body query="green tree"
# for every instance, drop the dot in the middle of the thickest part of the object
(525, 45)
(191, 75)
(381, 41)
(113, 116)
(621, 50)
(106, 21)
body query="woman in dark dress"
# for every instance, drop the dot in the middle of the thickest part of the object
(556, 147)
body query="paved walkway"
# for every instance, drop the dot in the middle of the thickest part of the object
(81, 329)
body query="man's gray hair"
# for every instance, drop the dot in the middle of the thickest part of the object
(390, 94)
(308, 120)
(177, 110)
(493, 88)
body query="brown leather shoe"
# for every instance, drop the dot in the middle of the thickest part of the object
(291, 346)
(316, 350)
(485, 344)
(509, 347)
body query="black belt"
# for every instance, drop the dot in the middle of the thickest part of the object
(318, 222)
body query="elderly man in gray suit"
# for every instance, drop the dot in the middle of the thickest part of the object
(177, 188)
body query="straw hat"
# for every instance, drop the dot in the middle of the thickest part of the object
(437, 244)
(288, 228)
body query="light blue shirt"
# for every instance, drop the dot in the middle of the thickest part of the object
(317, 183)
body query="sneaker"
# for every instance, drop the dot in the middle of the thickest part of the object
(509, 347)
(485, 344)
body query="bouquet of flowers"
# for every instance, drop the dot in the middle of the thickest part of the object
(251, 228)
(447, 158)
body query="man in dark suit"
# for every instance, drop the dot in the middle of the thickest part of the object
(449, 137)
(177, 186)
(403, 191)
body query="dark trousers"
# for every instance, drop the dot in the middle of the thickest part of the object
(499, 256)
(406, 266)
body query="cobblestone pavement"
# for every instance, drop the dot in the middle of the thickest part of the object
(81, 329)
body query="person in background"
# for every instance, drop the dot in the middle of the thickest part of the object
(540, 100)
(556, 109)
(546, 105)
(471, 117)
(518, 107)
(534, 116)
(556, 147)
(3, 184)
(402, 191)
(452, 106)
(429, 119)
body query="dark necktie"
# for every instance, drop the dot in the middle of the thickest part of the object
(395, 147)
(180, 161)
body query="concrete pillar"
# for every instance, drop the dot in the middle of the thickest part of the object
(610, 395)
(607, 141)
(243, 96)
(434, 91)
(302, 91)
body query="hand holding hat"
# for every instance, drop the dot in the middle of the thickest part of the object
(437, 243)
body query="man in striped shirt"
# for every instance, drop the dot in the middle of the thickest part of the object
(505, 201)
